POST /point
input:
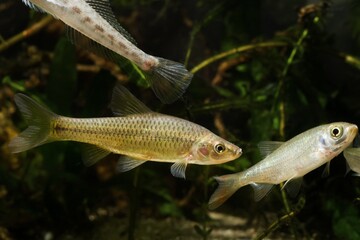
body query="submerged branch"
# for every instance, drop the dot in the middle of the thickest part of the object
(26, 33)
(227, 104)
(240, 49)
(287, 217)
(275, 225)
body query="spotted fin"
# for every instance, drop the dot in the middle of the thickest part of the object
(178, 169)
(127, 163)
(91, 154)
(261, 190)
(267, 147)
(103, 8)
(169, 80)
(124, 103)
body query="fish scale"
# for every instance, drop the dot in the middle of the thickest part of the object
(136, 132)
(288, 161)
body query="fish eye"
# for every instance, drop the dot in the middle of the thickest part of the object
(336, 132)
(219, 148)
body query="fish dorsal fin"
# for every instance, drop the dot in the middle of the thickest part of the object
(260, 190)
(326, 171)
(92, 154)
(127, 163)
(103, 8)
(33, 6)
(292, 186)
(267, 147)
(124, 103)
(178, 169)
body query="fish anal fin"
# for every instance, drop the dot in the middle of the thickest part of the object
(169, 80)
(261, 190)
(292, 186)
(92, 153)
(267, 147)
(124, 103)
(79, 39)
(103, 8)
(126, 163)
(178, 169)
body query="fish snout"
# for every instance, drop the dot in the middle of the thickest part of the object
(238, 152)
(353, 130)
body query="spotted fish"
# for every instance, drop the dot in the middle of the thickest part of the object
(95, 20)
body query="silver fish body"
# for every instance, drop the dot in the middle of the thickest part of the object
(288, 161)
(137, 133)
(95, 20)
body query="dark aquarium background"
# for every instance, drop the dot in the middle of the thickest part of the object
(263, 70)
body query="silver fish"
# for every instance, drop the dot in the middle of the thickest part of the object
(95, 20)
(352, 156)
(137, 133)
(287, 161)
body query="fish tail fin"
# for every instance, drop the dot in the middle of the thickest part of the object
(168, 80)
(228, 185)
(39, 119)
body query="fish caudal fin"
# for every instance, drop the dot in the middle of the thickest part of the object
(39, 119)
(168, 80)
(228, 185)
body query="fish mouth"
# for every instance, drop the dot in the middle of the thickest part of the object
(238, 152)
(353, 130)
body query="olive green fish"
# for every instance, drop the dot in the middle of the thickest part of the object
(137, 133)
(352, 156)
(288, 161)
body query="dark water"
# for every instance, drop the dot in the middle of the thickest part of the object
(245, 97)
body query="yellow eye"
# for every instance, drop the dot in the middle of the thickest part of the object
(336, 132)
(219, 148)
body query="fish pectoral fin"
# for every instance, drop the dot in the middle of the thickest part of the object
(92, 153)
(126, 163)
(292, 186)
(326, 171)
(352, 156)
(260, 190)
(178, 169)
(267, 147)
(124, 103)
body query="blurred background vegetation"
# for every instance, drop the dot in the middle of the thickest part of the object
(264, 70)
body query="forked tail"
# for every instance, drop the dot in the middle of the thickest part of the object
(168, 80)
(228, 185)
(39, 119)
